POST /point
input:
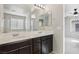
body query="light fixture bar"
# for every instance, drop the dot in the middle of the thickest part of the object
(40, 6)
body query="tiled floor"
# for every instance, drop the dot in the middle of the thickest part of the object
(71, 45)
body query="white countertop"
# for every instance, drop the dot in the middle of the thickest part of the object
(8, 37)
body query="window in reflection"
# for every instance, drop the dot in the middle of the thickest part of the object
(14, 23)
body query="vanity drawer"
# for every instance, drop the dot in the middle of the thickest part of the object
(25, 43)
(7, 47)
(12, 46)
(21, 50)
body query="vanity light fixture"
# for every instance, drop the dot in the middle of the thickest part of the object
(42, 6)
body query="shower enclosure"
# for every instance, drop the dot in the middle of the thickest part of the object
(71, 29)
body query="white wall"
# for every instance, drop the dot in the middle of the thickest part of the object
(69, 8)
(57, 20)
(67, 26)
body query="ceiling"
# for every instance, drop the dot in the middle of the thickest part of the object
(28, 7)
(71, 7)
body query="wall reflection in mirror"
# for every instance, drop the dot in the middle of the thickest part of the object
(24, 17)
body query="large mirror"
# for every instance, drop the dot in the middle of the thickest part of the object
(22, 17)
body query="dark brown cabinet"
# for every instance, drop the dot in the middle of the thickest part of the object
(9, 48)
(26, 50)
(20, 47)
(36, 45)
(43, 45)
(21, 50)
(39, 45)
(16, 51)
(47, 45)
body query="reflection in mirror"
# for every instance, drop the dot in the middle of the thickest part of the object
(16, 18)
(43, 20)
(33, 23)
(22, 17)
(13, 23)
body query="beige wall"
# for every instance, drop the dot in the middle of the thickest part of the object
(1, 18)
(57, 20)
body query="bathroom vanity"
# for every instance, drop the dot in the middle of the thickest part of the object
(32, 45)
(25, 29)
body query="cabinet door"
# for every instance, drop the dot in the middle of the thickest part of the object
(36, 46)
(25, 50)
(47, 44)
